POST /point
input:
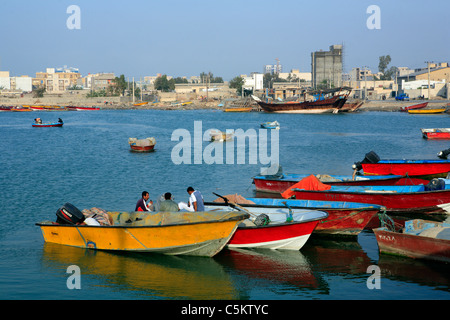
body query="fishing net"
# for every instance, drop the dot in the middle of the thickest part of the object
(262, 220)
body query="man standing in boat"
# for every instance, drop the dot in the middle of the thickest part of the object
(142, 205)
(196, 202)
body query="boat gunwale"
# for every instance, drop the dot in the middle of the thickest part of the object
(243, 216)
(371, 192)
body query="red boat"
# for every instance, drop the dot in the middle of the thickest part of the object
(416, 106)
(427, 169)
(142, 145)
(435, 134)
(280, 233)
(419, 239)
(74, 108)
(274, 184)
(395, 198)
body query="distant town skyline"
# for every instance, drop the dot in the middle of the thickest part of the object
(141, 38)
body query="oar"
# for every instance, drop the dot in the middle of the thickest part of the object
(234, 205)
(290, 217)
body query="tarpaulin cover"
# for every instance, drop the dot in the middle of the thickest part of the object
(308, 183)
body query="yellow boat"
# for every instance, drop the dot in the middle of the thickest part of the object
(427, 111)
(140, 104)
(172, 233)
(244, 109)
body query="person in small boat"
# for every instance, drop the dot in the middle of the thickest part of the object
(168, 204)
(60, 120)
(196, 202)
(142, 205)
(38, 120)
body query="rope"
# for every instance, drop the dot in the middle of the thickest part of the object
(388, 223)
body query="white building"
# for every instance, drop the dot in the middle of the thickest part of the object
(254, 82)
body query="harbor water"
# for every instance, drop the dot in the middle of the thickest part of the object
(88, 163)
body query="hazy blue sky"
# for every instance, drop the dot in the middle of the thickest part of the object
(232, 37)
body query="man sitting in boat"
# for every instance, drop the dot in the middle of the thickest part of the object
(38, 120)
(196, 202)
(60, 120)
(168, 205)
(142, 205)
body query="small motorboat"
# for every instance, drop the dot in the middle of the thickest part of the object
(428, 111)
(171, 233)
(419, 239)
(271, 227)
(142, 145)
(435, 134)
(270, 125)
(414, 107)
(38, 123)
(220, 136)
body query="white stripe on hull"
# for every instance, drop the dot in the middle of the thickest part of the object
(295, 243)
(445, 206)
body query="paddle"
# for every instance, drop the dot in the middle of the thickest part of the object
(290, 217)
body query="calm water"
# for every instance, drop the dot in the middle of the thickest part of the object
(88, 163)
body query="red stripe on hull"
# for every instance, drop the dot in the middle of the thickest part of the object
(345, 222)
(410, 169)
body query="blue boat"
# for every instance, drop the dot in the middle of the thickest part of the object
(270, 125)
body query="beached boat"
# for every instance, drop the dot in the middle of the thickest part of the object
(278, 184)
(237, 109)
(429, 199)
(140, 104)
(50, 124)
(270, 125)
(286, 229)
(328, 101)
(428, 111)
(85, 108)
(345, 219)
(419, 239)
(5, 108)
(428, 169)
(351, 106)
(414, 107)
(172, 233)
(142, 145)
(217, 135)
(435, 134)
(20, 109)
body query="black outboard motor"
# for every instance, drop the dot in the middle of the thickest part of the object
(69, 214)
(370, 157)
(435, 184)
(443, 154)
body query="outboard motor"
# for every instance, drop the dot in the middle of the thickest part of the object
(435, 184)
(443, 154)
(371, 157)
(68, 214)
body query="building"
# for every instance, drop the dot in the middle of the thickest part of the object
(56, 80)
(254, 82)
(295, 75)
(272, 69)
(98, 81)
(16, 84)
(326, 67)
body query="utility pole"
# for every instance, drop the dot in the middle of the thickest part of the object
(428, 65)
(133, 90)
(365, 82)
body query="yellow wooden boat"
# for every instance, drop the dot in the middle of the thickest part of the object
(427, 111)
(140, 104)
(172, 233)
(243, 109)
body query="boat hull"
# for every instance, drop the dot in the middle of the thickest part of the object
(414, 107)
(436, 134)
(204, 237)
(417, 168)
(279, 185)
(427, 111)
(47, 125)
(412, 246)
(142, 149)
(427, 202)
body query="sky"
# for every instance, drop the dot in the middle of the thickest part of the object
(179, 38)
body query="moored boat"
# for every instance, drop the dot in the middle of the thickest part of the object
(238, 109)
(428, 111)
(419, 239)
(435, 134)
(285, 229)
(428, 169)
(329, 101)
(270, 125)
(172, 233)
(414, 107)
(217, 135)
(429, 199)
(5, 108)
(345, 219)
(278, 184)
(39, 123)
(142, 145)
(85, 108)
